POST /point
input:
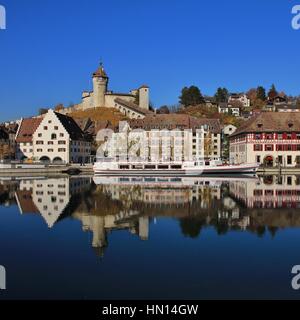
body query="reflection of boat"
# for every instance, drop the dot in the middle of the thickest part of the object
(111, 167)
(174, 181)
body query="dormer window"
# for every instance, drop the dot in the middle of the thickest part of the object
(290, 124)
(259, 125)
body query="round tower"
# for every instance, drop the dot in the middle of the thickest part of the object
(100, 82)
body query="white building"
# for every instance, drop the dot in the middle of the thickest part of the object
(134, 105)
(165, 138)
(229, 109)
(24, 138)
(53, 138)
(271, 139)
(240, 97)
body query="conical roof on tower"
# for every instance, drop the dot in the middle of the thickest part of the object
(100, 72)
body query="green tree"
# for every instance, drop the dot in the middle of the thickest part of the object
(42, 111)
(191, 96)
(261, 93)
(272, 92)
(163, 110)
(221, 95)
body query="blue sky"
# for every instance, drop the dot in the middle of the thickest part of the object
(50, 48)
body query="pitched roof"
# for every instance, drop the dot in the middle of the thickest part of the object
(27, 129)
(271, 122)
(71, 126)
(100, 72)
(25, 202)
(174, 121)
(132, 106)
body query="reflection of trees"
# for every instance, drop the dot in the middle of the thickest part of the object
(191, 227)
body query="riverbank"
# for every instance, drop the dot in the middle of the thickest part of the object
(37, 170)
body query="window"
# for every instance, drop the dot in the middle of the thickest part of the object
(61, 150)
(61, 142)
(39, 135)
(50, 142)
(258, 159)
(298, 136)
(269, 147)
(280, 160)
(61, 134)
(39, 150)
(289, 136)
(258, 136)
(269, 136)
(53, 136)
(280, 147)
(45, 128)
(40, 142)
(280, 136)
(289, 160)
(55, 127)
(49, 121)
(258, 147)
(50, 150)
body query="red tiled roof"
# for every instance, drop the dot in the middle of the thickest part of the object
(132, 106)
(271, 122)
(27, 129)
(24, 199)
(174, 121)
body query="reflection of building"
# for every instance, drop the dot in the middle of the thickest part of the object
(101, 226)
(158, 191)
(268, 192)
(48, 197)
(270, 138)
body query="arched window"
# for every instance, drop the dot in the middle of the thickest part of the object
(53, 136)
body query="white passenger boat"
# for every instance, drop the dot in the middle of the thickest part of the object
(111, 167)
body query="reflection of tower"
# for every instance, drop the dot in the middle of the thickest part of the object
(144, 228)
(100, 82)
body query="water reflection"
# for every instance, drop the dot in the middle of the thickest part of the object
(103, 204)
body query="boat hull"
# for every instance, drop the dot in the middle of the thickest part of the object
(178, 173)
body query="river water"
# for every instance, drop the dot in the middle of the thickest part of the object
(150, 238)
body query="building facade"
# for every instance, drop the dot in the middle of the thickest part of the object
(52, 138)
(240, 97)
(271, 139)
(165, 138)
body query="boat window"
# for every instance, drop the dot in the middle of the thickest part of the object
(207, 163)
(149, 167)
(176, 166)
(163, 167)
(124, 167)
(138, 167)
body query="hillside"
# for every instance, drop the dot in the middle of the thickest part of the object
(99, 114)
(202, 111)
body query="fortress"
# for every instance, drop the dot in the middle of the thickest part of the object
(134, 105)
